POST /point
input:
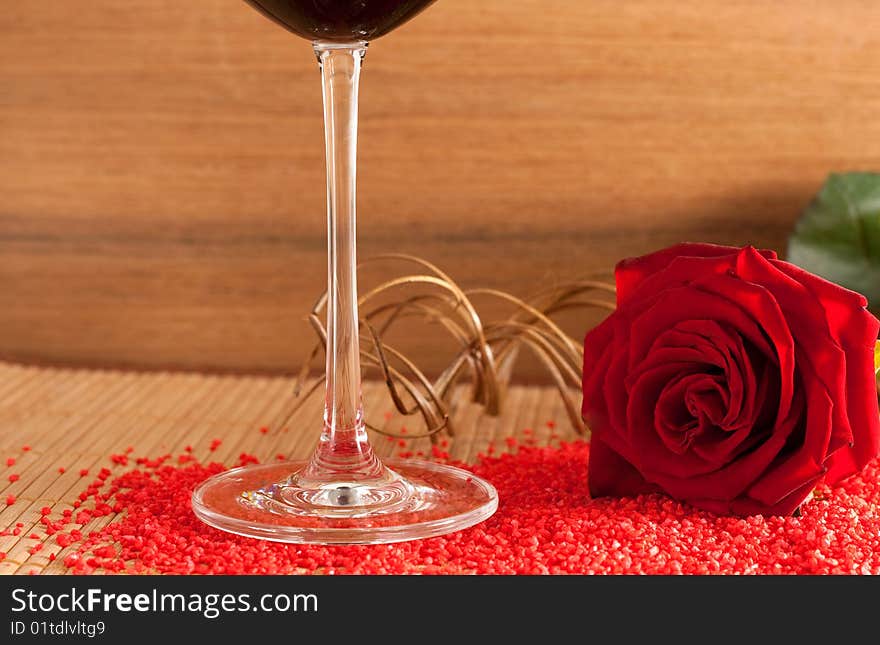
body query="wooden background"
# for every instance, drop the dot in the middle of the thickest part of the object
(161, 172)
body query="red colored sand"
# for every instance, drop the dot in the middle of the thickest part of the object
(546, 523)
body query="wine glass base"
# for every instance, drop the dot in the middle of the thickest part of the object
(421, 499)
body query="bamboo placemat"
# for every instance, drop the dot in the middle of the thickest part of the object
(75, 419)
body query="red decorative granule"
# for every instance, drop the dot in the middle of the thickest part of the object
(264, 430)
(215, 443)
(84, 472)
(51, 557)
(187, 448)
(62, 470)
(14, 477)
(2, 556)
(33, 536)
(551, 424)
(280, 457)
(25, 448)
(120, 460)
(244, 459)
(546, 523)
(45, 510)
(10, 461)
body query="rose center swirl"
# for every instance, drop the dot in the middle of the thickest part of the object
(717, 404)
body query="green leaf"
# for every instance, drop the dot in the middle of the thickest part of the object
(838, 235)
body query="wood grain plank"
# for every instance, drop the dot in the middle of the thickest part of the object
(161, 200)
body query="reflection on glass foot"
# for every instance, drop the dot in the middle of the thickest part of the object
(408, 500)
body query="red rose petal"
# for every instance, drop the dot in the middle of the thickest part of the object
(630, 274)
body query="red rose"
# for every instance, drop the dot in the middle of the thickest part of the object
(730, 380)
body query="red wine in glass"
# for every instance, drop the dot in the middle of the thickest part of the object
(344, 494)
(342, 21)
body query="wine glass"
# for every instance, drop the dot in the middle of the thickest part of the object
(344, 494)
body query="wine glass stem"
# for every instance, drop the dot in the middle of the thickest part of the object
(343, 445)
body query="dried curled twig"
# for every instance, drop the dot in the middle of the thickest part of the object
(486, 352)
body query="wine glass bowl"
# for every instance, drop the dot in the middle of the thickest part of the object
(344, 494)
(339, 21)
